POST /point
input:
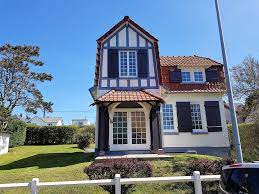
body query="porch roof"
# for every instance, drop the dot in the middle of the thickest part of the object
(128, 96)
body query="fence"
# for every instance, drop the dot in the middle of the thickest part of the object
(34, 185)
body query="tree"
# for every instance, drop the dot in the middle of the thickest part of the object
(18, 81)
(246, 77)
(4, 118)
(246, 85)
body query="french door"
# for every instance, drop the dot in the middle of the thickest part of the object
(129, 130)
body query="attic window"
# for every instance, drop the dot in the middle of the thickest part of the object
(128, 63)
(186, 76)
(198, 76)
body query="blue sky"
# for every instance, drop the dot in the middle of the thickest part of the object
(66, 31)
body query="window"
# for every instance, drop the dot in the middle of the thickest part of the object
(138, 124)
(186, 76)
(128, 64)
(196, 116)
(167, 114)
(120, 128)
(198, 76)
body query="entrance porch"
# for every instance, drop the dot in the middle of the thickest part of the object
(128, 122)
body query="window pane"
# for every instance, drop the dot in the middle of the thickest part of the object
(138, 124)
(198, 76)
(196, 116)
(132, 64)
(128, 63)
(120, 128)
(167, 114)
(186, 76)
(123, 63)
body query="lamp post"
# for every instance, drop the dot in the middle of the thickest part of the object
(229, 91)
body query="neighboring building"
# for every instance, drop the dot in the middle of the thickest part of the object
(133, 85)
(46, 121)
(80, 122)
(20, 117)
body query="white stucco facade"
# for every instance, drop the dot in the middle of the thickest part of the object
(188, 139)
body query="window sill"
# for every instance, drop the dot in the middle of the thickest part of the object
(192, 82)
(170, 132)
(199, 131)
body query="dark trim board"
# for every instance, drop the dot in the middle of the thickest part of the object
(215, 151)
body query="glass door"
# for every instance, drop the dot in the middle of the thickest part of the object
(138, 127)
(129, 130)
(120, 126)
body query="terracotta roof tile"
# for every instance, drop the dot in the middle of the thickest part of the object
(187, 61)
(128, 96)
(197, 88)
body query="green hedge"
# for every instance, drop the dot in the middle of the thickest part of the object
(48, 135)
(249, 136)
(85, 131)
(17, 130)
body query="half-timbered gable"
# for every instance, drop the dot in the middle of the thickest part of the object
(128, 59)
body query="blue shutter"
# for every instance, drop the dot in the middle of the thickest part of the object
(175, 76)
(184, 116)
(213, 116)
(113, 63)
(212, 75)
(142, 63)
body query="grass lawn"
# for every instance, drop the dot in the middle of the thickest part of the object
(66, 162)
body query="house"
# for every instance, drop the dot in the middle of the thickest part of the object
(151, 104)
(20, 117)
(46, 121)
(80, 122)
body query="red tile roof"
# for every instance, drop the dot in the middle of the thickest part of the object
(112, 30)
(128, 96)
(189, 61)
(196, 88)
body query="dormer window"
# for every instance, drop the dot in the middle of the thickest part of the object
(128, 63)
(186, 76)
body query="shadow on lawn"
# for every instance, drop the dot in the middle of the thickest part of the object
(50, 160)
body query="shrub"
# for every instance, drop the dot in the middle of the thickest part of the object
(249, 137)
(206, 166)
(17, 129)
(88, 131)
(83, 142)
(127, 168)
(48, 135)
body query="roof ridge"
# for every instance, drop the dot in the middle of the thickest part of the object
(183, 56)
(117, 25)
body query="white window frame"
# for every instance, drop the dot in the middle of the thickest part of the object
(129, 146)
(136, 61)
(203, 129)
(190, 76)
(197, 71)
(173, 129)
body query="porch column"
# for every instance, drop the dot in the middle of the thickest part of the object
(156, 139)
(103, 130)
